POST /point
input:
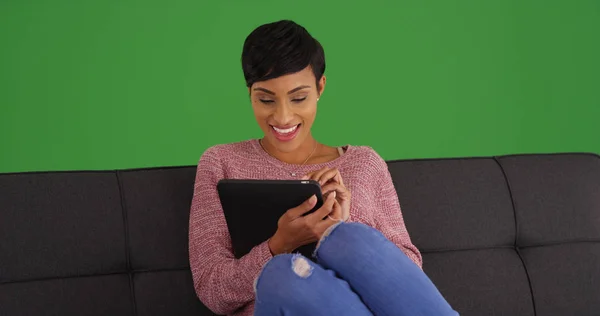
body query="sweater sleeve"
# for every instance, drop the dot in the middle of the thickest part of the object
(223, 283)
(388, 215)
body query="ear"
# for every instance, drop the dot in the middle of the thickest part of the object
(321, 86)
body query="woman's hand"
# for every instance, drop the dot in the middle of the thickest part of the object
(331, 181)
(295, 230)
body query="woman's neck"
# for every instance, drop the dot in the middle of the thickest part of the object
(300, 156)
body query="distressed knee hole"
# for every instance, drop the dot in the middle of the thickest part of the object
(301, 267)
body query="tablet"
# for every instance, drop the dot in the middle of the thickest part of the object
(252, 209)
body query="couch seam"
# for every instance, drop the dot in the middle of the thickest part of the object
(560, 243)
(442, 250)
(522, 247)
(92, 275)
(516, 246)
(127, 243)
(512, 200)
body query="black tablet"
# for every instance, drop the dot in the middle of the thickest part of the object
(253, 207)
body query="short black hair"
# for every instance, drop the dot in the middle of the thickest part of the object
(280, 48)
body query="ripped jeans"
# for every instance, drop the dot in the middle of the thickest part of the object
(359, 272)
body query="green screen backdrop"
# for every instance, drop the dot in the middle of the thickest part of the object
(140, 83)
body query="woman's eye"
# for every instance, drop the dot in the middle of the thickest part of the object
(299, 99)
(266, 101)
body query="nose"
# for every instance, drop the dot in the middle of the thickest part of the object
(283, 115)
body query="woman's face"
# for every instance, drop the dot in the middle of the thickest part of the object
(285, 108)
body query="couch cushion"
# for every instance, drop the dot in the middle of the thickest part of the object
(557, 197)
(565, 278)
(455, 204)
(85, 296)
(60, 225)
(157, 204)
(167, 293)
(481, 282)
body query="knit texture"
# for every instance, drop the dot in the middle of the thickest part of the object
(225, 284)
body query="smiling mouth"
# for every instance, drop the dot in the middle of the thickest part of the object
(285, 131)
(285, 134)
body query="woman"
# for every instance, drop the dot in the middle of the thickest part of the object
(367, 263)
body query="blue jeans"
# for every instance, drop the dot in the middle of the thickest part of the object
(359, 272)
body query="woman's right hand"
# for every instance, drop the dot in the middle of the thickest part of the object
(295, 230)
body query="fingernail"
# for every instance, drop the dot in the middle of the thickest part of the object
(312, 199)
(304, 178)
(333, 193)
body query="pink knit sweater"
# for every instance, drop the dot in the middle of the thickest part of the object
(225, 284)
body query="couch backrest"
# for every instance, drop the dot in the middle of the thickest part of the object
(511, 235)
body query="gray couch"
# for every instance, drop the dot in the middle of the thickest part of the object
(511, 235)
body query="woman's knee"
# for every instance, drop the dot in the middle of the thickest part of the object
(343, 233)
(349, 243)
(282, 269)
(295, 285)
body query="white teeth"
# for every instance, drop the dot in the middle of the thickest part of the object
(285, 131)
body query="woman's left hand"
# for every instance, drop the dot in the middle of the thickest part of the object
(332, 183)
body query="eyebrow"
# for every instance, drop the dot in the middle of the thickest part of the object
(289, 92)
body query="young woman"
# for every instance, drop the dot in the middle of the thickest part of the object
(367, 264)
